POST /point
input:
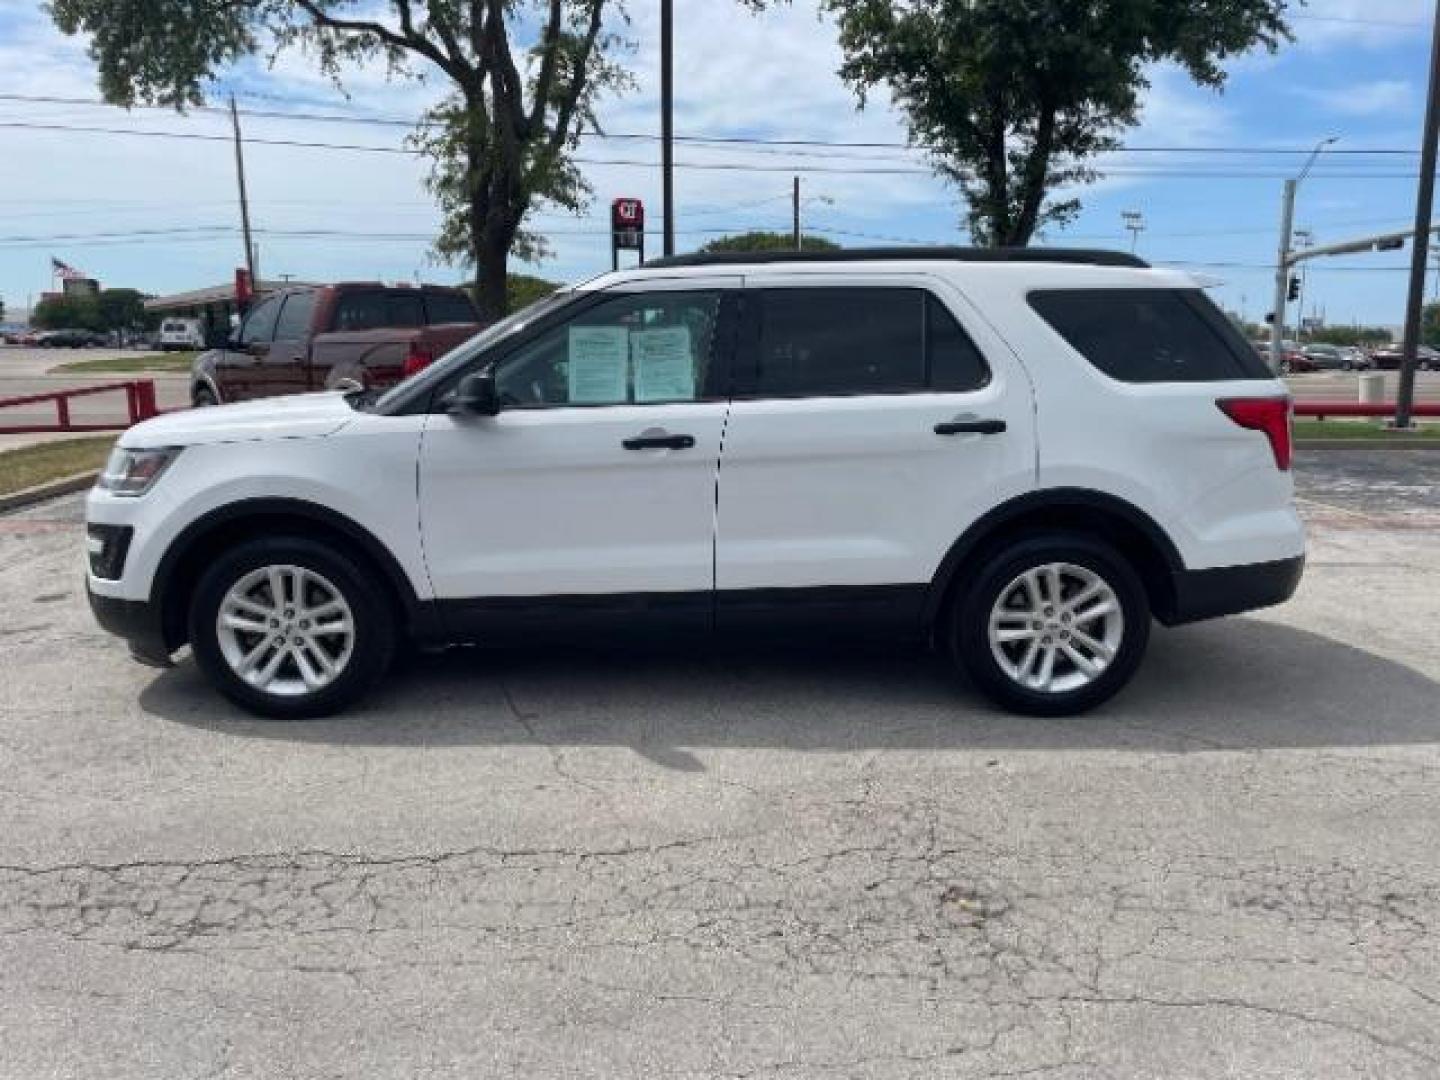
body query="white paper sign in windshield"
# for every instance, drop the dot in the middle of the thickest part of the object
(664, 364)
(599, 363)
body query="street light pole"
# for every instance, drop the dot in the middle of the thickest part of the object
(1420, 255)
(1135, 222)
(1282, 258)
(667, 121)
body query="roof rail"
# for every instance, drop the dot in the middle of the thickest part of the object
(1086, 256)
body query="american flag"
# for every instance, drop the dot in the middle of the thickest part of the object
(64, 271)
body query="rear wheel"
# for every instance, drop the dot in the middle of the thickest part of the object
(290, 628)
(202, 397)
(1053, 625)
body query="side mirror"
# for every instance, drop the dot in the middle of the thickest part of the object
(476, 395)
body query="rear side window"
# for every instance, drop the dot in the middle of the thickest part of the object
(1150, 335)
(442, 307)
(849, 341)
(373, 310)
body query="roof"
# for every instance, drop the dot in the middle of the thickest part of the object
(1085, 256)
(215, 294)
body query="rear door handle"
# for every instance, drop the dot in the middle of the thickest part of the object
(659, 442)
(970, 427)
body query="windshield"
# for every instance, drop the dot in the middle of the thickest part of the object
(467, 350)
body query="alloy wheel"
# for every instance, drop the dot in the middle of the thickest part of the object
(285, 630)
(1056, 628)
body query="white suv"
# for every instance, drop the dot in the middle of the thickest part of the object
(1018, 456)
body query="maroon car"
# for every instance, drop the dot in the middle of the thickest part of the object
(320, 337)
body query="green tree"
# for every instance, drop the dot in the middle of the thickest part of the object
(1014, 98)
(2, 309)
(67, 313)
(522, 290)
(766, 241)
(525, 289)
(1430, 324)
(1352, 335)
(523, 77)
(122, 309)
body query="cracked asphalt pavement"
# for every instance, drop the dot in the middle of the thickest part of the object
(750, 864)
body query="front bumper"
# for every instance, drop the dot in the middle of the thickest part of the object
(1229, 590)
(137, 621)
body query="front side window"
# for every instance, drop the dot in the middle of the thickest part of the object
(817, 342)
(638, 348)
(1149, 335)
(259, 325)
(294, 321)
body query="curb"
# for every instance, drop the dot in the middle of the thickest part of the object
(1366, 444)
(66, 485)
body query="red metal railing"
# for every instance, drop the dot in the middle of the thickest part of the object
(1323, 409)
(139, 405)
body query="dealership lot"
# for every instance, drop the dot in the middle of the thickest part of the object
(751, 864)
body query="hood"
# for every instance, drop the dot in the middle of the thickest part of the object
(301, 416)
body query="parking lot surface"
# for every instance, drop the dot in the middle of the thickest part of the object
(754, 864)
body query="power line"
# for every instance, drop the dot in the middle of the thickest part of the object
(714, 166)
(699, 140)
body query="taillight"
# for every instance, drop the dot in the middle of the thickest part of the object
(418, 358)
(1269, 415)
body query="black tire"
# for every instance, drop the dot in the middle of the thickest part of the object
(374, 622)
(1346, 366)
(202, 397)
(969, 638)
(1285, 368)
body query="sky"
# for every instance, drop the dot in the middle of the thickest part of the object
(161, 215)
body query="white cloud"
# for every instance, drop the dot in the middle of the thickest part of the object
(1379, 97)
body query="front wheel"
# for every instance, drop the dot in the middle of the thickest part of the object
(203, 397)
(290, 628)
(1053, 625)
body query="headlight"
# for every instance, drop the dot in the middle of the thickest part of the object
(134, 472)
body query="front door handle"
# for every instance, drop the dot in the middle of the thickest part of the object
(970, 427)
(659, 441)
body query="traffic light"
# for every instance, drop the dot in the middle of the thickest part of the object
(1395, 243)
(1269, 317)
(1294, 293)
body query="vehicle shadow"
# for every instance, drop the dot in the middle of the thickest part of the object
(1234, 684)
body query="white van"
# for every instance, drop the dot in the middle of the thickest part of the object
(181, 334)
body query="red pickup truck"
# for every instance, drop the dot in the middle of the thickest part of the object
(320, 337)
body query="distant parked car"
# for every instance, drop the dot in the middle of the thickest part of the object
(1387, 358)
(358, 334)
(1331, 357)
(1292, 359)
(69, 339)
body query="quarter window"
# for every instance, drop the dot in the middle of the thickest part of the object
(640, 348)
(1150, 335)
(849, 341)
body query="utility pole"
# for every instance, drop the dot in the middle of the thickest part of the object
(1304, 238)
(244, 200)
(795, 211)
(667, 121)
(1135, 222)
(1282, 273)
(1420, 255)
